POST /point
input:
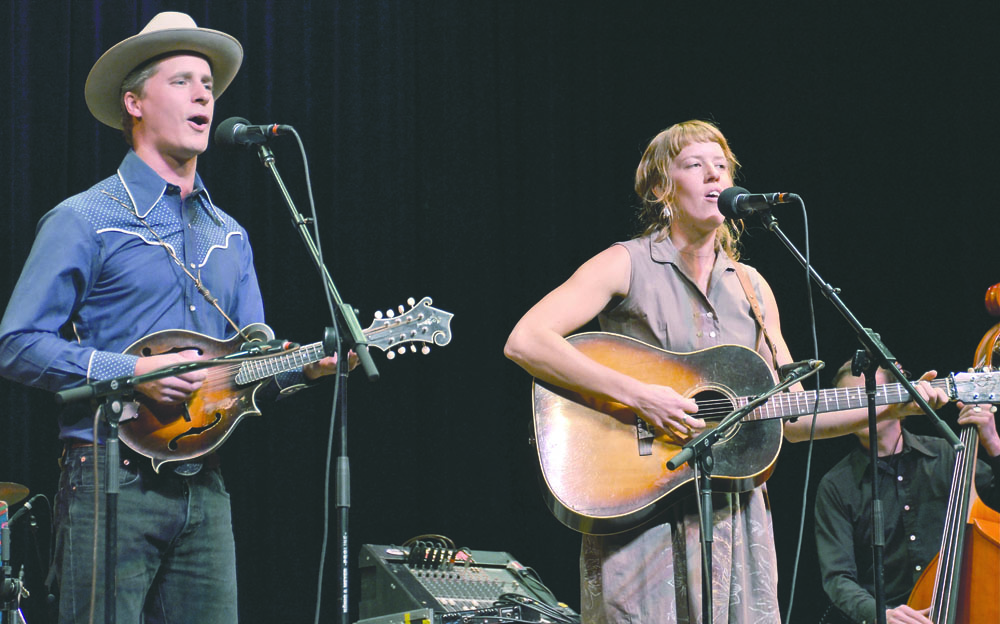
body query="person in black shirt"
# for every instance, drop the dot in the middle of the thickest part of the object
(914, 475)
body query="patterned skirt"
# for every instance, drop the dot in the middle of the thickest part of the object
(652, 575)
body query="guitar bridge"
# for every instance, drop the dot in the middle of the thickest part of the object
(644, 436)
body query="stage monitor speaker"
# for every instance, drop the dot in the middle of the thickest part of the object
(398, 580)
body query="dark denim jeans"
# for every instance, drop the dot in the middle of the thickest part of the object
(176, 553)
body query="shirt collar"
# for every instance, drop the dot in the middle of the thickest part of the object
(664, 252)
(860, 459)
(146, 187)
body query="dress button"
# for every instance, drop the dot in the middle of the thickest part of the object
(906, 507)
(899, 478)
(918, 568)
(192, 308)
(913, 538)
(192, 265)
(710, 315)
(712, 334)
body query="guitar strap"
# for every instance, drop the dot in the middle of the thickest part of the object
(755, 306)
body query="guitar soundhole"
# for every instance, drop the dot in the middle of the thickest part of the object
(713, 406)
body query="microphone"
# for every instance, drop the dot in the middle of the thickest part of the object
(736, 202)
(23, 510)
(238, 132)
(800, 370)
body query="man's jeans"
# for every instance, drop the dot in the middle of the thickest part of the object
(176, 554)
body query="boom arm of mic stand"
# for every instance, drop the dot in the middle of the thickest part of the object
(355, 337)
(124, 385)
(869, 339)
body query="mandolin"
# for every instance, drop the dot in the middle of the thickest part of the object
(179, 433)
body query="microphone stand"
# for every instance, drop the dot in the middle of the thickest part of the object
(698, 452)
(879, 357)
(114, 392)
(11, 589)
(355, 340)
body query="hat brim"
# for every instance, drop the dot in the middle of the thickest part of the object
(104, 82)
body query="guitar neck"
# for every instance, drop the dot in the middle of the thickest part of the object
(262, 368)
(794, 404)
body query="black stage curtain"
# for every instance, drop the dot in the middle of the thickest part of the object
(477, 152)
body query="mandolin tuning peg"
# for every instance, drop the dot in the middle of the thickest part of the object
(378, 314)
(410, 301)
(425, 349)
(413, 348)
(401, 309)
(390, 355)
(390, 313)
(401, 350)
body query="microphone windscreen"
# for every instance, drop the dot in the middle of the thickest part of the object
(225, 133)
(727, 201)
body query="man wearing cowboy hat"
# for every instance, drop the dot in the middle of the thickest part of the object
(142, 251)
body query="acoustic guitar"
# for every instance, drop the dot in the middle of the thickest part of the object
(179, 433)
(604, 469)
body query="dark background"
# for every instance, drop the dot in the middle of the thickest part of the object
(477, 152)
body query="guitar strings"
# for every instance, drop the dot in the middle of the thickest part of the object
(716, 408)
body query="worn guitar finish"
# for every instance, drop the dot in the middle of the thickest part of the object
(189, 430)
(604, 469)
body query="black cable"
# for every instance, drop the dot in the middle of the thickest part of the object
(812, 429)
(525, 602)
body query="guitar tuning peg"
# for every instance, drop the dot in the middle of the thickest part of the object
(410, 301)
(378, 314)
(390, 313)
(401, 350)
(413, 348)
(402, 309)
(390, 355)
(425, 349)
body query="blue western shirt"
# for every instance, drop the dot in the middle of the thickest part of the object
(97, 280)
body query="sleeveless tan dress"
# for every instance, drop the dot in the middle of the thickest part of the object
(652, 574)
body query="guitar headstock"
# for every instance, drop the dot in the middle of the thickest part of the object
(421, 323)
(977, 387)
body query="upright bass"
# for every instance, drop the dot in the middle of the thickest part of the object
(970, 545)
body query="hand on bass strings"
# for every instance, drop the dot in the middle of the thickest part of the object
(905, 615)
(984, 418)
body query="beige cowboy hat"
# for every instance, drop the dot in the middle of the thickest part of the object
(166, 32)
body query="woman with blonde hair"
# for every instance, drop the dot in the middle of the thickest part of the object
(676, 286)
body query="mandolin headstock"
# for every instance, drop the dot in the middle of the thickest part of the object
(421, 323)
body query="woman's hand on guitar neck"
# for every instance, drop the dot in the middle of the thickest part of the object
(169, 390)
(669, 412)
(936, 397)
